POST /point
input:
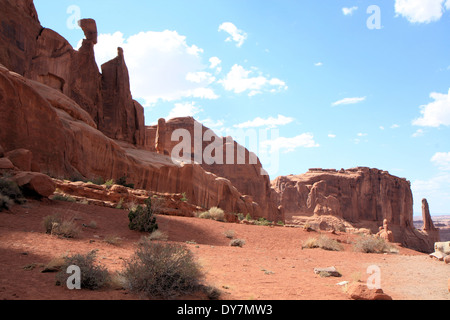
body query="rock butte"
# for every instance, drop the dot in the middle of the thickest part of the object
(79, 122)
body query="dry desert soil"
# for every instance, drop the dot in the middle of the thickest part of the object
(271, 265)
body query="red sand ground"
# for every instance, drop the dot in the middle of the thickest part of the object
(271, 265)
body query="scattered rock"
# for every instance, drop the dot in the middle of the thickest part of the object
(438, 255)
(447, 259)
(36, 184)
(331, 271)
(359, 291)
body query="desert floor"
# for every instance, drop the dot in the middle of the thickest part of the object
(271, 266)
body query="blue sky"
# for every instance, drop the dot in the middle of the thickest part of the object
(337, 93)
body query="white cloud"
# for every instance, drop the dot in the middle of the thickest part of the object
(418, 133)
(215, 63)
(436, 189)
(362, 134)
(349, 11)
(161, 65)
(185, 109)
(318, 64)
(240, 80)
(286, 145)
(442, 160)
(331, 136)
(382, 128)
(421, 11)
(236, 35)
(269, 122)
(349, 101)
(435, 113)
(200, 77)
(395, 126)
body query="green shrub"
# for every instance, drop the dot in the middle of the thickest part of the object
(109, 183)
(322, 242)
(162, 271)
(98, 181)
(371, 244)
(142, 218)
(93, 276)
(184, 198)
(262, 222)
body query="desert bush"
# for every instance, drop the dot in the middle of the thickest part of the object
(5, 203)
(113, 240)
(122, 181)
(93, 276)
(322, 242)
(58, 226)
(213, 214)
(237, 243)
(10, 190)
(60, 197)
(98, 181)
(50, 221)
(157, 235)
(67, 229)
(248, 217)
(229, 234)
(142, 218)
(184, 198)
(162, 270)
(109, 183)
(371, 244)
(262, 222)
(212, 292)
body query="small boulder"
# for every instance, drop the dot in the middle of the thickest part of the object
(21, 158)
(36, 184)
(359, 291)
(6, 164)
(447, 259)
(332, 271)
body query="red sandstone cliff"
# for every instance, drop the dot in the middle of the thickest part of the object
(363, 196)
(233, 162)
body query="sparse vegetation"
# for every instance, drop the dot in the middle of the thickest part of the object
(109, 183)
(322, 242)
(248, 217)
(240, 216)
(113, 240)
(184, 198)
(213, 214)
(56, 225)
(162, 270)
(372, 244)
(60, 197)
(122, 181)
(93, 276)
(237, 243)
(10, 193)
(229, 234)
(263, 222)
(158, 235)
(142, 218)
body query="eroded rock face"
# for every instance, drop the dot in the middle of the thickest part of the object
(368, 198)
(234, 163)
(123, 118)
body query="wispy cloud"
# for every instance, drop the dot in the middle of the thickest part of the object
(269, 122)
(349, 101)
(236, 35)
(286, 145)
(349, 11)
(240, 80)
